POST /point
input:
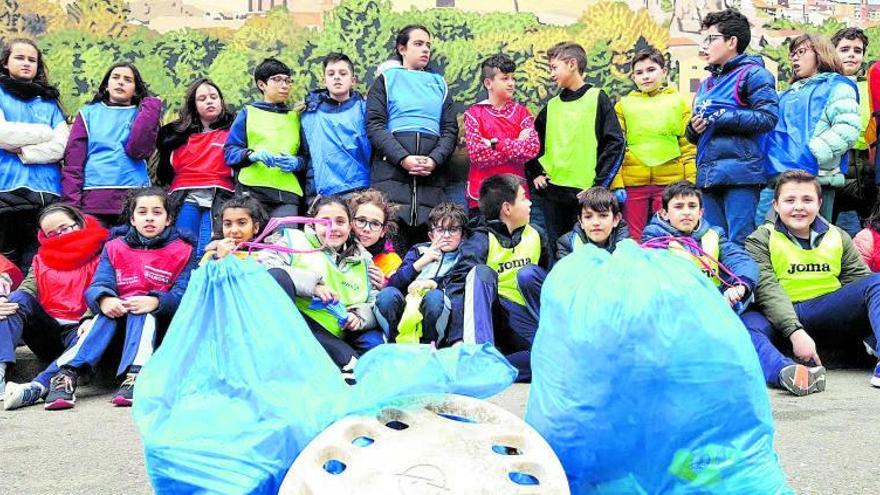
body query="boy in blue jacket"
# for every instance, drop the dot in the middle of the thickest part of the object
(733, 109)
(426, 266)
(499, 277)
(600, 223)
(263, 144)
(334, 130)
(682, 217)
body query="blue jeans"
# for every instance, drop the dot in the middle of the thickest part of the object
(733, 209)
(853, 311)
(195, 222)
(42, 333)
(435, 307)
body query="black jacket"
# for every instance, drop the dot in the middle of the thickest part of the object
(564, 245)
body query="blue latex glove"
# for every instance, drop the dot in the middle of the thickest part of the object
(262, 156)
(620, 194)
(335, 308)
(287, 163)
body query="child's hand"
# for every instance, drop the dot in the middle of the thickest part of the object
(541, 182)
(699, 124)
(5, 284)
(430, 255)
(525, 134)
(324, 294)
(7, 308)
(224, 247)
(377, 278)
(112, 307)
(84, 327)
(804, 347)
(141, 305)
(412, 164)
(420, 285)
(261, 156)
(735, 294)
(354, 322)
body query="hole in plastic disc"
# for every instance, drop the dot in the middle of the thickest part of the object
(397, 425)
(523, 478)
(455, 417)
(334, 466)
(506, 450)
(362, 441)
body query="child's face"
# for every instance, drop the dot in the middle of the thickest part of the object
(238, 225)
(417, 52)
(502, 85)
(683, 213)
(718, 49)
(518, 214)
(58, 223)
(598, 224)
(275, 89)
(338, 78)
(369, 224)
(208, 103)
(563, 72)
(648, 75)
(852, 53)
(121, 86)
(804, 61)
(340, 227)
(23, 62)
(446, 236)
(797, 206)
(150, 216)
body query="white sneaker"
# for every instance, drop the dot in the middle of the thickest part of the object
(21, 395)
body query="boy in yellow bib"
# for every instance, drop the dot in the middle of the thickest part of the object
(813, 283)
(499, 276)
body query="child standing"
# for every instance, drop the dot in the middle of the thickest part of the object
(734, 107)
(110, 142)
(33, 134)
(191, 160)
(653, 118)
(335, 133)
(373, 224)
(582, 144)
(499, 132)
(495, 289)
(599, 223)
(140, 279)
(263, 143)
(426, 268)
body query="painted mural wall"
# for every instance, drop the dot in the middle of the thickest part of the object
(175, 41)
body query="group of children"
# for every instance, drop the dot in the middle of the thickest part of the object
(369, 170)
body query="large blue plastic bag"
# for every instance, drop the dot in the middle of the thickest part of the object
(240, 386)
(645, 381)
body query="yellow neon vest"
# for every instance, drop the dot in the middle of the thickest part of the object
(508, 261)
(351, 283)
(570, 147)
(865, 111)
(711, 244)
(277, 133)
(806, 274)
(653, 125)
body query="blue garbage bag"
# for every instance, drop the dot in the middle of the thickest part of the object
(645, 381)
(240, 386)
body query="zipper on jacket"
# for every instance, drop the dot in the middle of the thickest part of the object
(413, 210)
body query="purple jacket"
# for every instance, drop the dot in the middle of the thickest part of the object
(141, 144)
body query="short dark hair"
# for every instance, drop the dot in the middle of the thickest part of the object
(681, 188)
(850, 33)
(333, 57)
(447, 214)
(244, 202)
(650, 53)
(798, 176)
(599, 199)
(498, 63)
(497, 190)
(270, 67)
(730, 22)
(568, 50)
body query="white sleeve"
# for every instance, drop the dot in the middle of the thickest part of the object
(17, 134)
(48, 151)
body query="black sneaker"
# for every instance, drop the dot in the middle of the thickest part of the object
(124, 397)
(61, 390)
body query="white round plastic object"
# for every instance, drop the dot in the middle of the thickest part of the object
(428, 445)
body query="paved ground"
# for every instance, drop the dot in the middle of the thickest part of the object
(827, 442)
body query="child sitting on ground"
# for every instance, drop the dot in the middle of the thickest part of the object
(373, 224)
(727, 265)
(426, 268)
(600, 223)
(140, 279)
(495, 288)
(241, 219)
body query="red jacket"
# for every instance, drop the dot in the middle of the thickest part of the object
(199, 162)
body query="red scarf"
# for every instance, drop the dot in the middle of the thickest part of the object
(73, 249)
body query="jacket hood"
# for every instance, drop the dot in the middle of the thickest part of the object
(618, 234)
(496, 227)
(737, 61)
(130, 235)
(271, 107)
(665, 90)
(661, 228)
(320, 99)
(823, 77)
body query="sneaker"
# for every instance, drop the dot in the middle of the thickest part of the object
(348, 372)
(869, 348)
(124, 397)
(875, 378)
(801, 380)
(61, 390)
(21, 395)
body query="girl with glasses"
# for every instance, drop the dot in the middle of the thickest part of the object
(373, 223)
